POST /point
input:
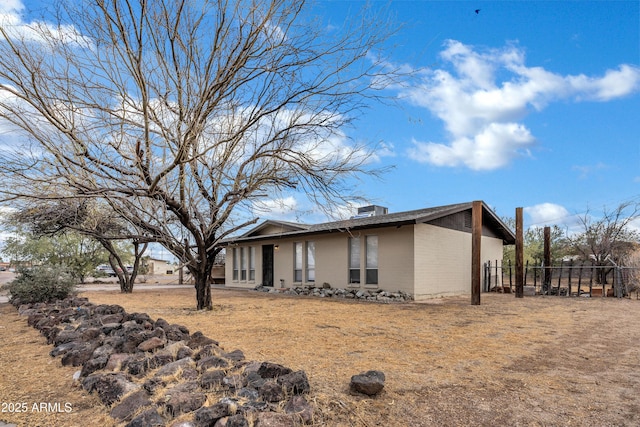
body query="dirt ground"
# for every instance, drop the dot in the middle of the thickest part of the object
(537, 361)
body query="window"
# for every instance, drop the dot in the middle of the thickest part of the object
(354, 260)
(235, 264)
(252, 263)
(297, 265)
(372, 260)
(311, 261)
(243, 264)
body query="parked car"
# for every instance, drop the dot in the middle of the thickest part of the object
(106, 269)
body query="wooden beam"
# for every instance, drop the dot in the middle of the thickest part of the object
(519, 255)
(546, 284)
(476, 244)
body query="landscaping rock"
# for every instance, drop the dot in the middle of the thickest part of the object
(137, 365)
(66, 336)
(234, 382)
(369, 383)
(294, 383)
(237, 420)
(151, 344)
(274, 419)
(326, 291)
(181, 402)
(78, 355)
(159, 359)
(208, 416)
(272, 370)
(113, 346)
(198, 340)
(127, 408)
(63, 348)
(299, 407)
(211, 362)
(173, 367)
(104, 309)
(110, 387)
(176, 333)
(93, 364)
(211, 379)
(235, 355)
(149, 418)
(116, 361)
(271, 392)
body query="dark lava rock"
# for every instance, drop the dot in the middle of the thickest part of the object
(369, 383)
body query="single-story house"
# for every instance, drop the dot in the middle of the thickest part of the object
(425, 252)
(160, 266)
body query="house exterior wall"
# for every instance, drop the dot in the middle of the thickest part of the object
(443, 260)
(395, 260)
(424, 260)
(158, 267)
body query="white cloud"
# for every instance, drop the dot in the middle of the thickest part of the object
(547, 214)
(283, 208)
(491, 148)
(483, 96)
(11, 20)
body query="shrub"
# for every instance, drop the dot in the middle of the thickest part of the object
(41, 284)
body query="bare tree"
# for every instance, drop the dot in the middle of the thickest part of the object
(608, 238)
(183, 115)
(88, 218)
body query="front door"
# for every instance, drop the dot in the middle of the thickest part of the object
(267, 265)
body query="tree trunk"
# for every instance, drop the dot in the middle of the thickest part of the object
(203, 290)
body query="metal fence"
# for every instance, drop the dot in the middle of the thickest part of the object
(567, 278)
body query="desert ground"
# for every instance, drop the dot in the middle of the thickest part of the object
(536, 361)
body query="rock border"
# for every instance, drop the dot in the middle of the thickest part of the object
(151, 372)
(326, 291)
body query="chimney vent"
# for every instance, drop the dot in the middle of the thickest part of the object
(371, 210)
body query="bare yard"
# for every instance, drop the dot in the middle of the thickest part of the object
(537, 361)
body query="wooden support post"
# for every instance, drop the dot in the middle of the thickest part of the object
(519, 255)
(476, 242)
(546, 287)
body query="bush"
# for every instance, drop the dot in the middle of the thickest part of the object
(41, 284)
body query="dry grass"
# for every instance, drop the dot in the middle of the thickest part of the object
(533, 361)
(31, 377)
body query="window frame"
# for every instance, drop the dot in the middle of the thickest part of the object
(243, 264)
(310, 261)
(235, 267)
(252, 263)
(354, 275)
(298, 254)
(371, 259)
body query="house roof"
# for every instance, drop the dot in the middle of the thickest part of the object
(292, 229)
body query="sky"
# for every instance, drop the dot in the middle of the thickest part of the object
(532, 104)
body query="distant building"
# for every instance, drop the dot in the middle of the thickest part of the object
(426, 252)
(160, 266)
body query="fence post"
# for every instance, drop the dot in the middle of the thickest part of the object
(476, 243)
(547, 272)
(591, 279)
(560, 276)
(580, 277)
(570, 271)
(519, 254)
(486, 285)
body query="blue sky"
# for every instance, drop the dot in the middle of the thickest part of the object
(526, 103)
